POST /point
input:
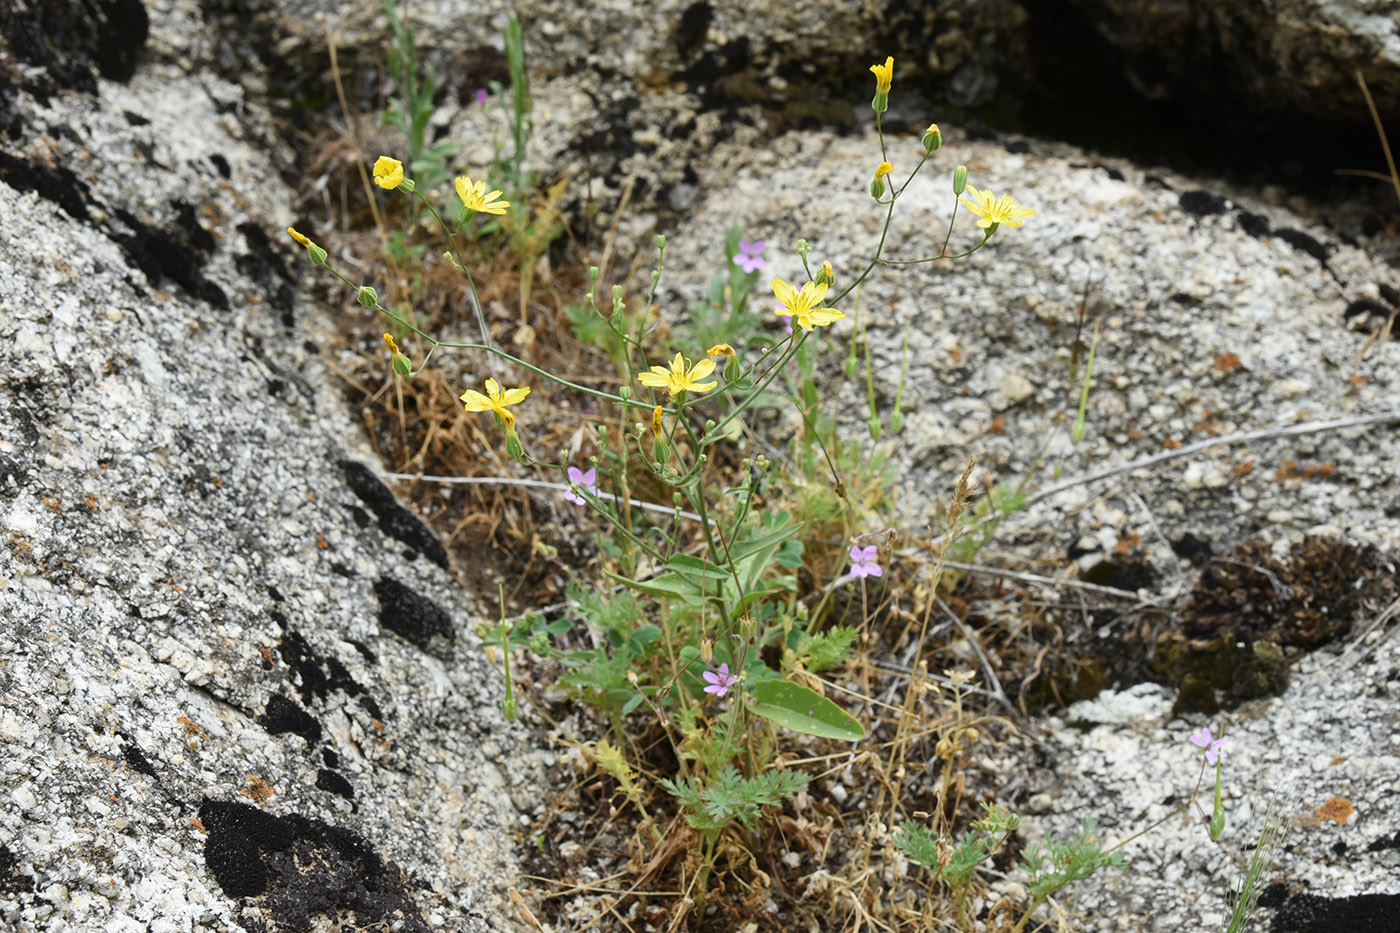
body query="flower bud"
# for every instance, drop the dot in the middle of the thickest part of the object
(656, 427)
(707, 650)
(367, 296)
(826, 275)
(803, 249)
(402, 365)
(884, 74)
(408, 185)
(514, 448)
(877, 188)
(661, 241)
(960, 179)
(933, 139)
(873, 426)
(896, 421)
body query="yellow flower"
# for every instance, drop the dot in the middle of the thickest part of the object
(300, 238)
(993, 210)
(495, 400)
(475, 198)
(678, 378)
(805, 306)
(932, 128)
(388, 173)
(389, 342)
(656, 427)
(721, 349)
(884, 74)
(883, 169)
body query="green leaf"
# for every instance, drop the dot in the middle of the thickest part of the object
(802, 710)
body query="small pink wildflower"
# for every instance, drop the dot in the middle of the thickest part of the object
(863, 561)
(1213, 749)
(482, 96)
(584, 480)
(750, 256)
(720, 681)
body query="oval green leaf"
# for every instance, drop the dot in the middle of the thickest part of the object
(802, 710)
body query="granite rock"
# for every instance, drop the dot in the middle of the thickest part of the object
(238, 685)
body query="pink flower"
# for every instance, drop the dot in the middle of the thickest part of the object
(588, 481)
(785, 318)
(750, 256)
(863, 561)
(482, 96)
(1213, 749)
(720, 681)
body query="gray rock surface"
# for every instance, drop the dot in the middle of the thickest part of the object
(238, 685)
(1295, 57)
(1207, 330)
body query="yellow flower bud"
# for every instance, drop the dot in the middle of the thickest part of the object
(299, 237)
(656, 427)
(826, 275)
(884, 75)
(933, 139)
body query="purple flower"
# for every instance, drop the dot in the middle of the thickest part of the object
(1213, 749)
(863, 561)
(588, 481)
(720, 681)
(481, 96)
(785, 318)
(750, 257)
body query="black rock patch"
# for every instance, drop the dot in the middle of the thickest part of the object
(11, 882)
(412, 617)
(68, 37)
(1304, 244)
(263, 265)
(1201, 203)
(333, 782)
(283, 715)
(1365, 913)
(162, 256)
(304, 868)
(1256, 225)
(394, 520)
(56, 184)
(136, 759)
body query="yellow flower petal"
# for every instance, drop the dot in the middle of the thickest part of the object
(475, 401)
(388, 173)
(299, 238)
(884, 74)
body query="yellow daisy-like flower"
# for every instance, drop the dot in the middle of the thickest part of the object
(388, 173)
(495, 400)
(679, 378)
(805, 306)
(993, 210)
(300, 238)
(884, 74)
(475, 197)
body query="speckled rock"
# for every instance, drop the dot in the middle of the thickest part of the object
(1220, 312)
(238, 685)
(1296, 57)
